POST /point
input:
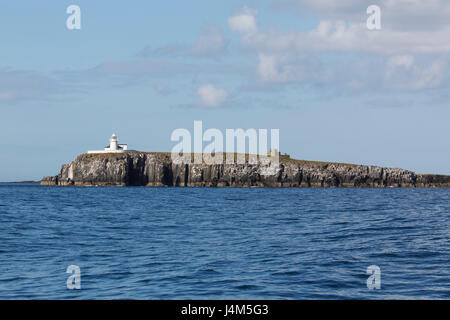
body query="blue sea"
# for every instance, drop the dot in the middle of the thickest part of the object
(224, 243)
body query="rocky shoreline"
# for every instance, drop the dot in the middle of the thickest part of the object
(158, 169)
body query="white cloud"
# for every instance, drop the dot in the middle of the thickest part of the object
(211, 96)
(243, 21)
(344, 37)
(399, 61)
(362, 59)
(396, 14)
(406, 28)
(403, 72)
(269, 69)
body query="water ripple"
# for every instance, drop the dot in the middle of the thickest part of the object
(235, 243)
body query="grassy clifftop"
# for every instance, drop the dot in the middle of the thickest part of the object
(168, 156)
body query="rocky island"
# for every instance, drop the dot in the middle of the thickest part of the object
(134, 168)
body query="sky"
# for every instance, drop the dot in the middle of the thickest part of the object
(336, 90)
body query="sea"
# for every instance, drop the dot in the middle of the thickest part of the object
(223, 243)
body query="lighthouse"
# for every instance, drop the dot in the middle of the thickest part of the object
(113, 147)
(113, 142)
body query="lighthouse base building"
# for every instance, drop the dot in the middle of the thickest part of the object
(114, 146)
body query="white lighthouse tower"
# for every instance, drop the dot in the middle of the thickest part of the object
(114, 146)
(113, 143)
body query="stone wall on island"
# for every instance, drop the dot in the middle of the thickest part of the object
(158, 169)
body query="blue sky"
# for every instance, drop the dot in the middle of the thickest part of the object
(337, 91)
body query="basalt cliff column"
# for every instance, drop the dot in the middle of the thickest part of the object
(158, 169)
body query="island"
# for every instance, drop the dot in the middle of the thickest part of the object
(135, 168)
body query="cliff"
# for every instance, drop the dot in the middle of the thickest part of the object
(158, 169)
